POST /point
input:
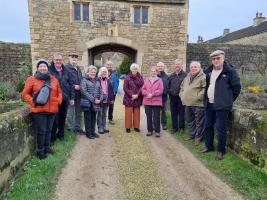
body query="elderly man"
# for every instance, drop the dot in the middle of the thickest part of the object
(62, 75)
(223, 87)
(177, 108)
(164, 78)
(115, 83)
(192, 95)
(74, 116)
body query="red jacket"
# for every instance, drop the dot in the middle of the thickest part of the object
(156, 89)
(33, 85)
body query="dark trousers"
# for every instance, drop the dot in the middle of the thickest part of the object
(110, 110)
(218, 118)
(195, 120)
(177, 112)
(60, 119)
(163, 113)
(90, 122)
(153, 118)
(44, 123)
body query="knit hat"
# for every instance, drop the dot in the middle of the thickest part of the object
(41, 61)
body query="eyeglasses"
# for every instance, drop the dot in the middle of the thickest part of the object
(216, 58)
(74, 56)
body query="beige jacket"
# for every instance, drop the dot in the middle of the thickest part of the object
(192, 94)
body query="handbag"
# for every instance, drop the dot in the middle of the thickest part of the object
(42, 96)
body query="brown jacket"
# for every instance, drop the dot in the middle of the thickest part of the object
(192, 93)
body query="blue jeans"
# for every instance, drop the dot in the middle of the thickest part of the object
(218, 118)
(74, 116)
(102, 117)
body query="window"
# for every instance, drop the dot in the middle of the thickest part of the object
(140, 15)
(81, 11)
(85, 12)
(77, 11)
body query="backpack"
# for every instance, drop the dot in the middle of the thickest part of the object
(42, 96)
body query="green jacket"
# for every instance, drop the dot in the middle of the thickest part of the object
(192, 93)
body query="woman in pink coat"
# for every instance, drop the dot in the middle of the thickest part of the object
(152, 91)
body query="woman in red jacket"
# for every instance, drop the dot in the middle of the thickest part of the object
(43, 115)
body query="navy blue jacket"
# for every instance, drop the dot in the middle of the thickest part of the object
(75, 77)
(164, 77)
(64, 81)
(174, 84)
(227, 87)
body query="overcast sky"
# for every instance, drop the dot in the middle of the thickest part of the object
(207, 18)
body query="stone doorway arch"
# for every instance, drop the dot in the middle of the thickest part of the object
(103, 44)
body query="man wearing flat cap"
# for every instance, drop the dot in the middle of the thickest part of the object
(222, 88)
(74, 116)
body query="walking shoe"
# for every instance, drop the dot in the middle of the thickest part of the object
(164, 127)
(219, 156)
(106, 131)
(111, 122)
(137, 129)
(181, 130)
(173, 131)
(41, 155)
(206, 150)
(188, 138)
(197, 141)
(95, 135)
(128, 130)
(49, 151)
(90, 136)
(149, 134)
(101, 132)
(157, 135)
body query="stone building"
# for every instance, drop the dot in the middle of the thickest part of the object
(147, 31)
(256, 34)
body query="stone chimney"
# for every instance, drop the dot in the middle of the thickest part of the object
(226, 31)
(258, 19)
(200, 39)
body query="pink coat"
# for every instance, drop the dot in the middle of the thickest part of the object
(156, 89)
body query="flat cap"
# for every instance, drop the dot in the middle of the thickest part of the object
(73, 54)
(216, 53)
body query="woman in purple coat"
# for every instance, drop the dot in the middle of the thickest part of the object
(133, 98)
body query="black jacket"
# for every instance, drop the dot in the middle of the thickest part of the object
(227, 87)
(75, 77)
(174, 84)
(64, 81)
(164, 77)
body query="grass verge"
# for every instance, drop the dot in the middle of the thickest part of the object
(39, 177)
(239, 174)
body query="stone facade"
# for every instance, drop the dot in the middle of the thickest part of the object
(164, 38)
(242, 57)
(11, 56)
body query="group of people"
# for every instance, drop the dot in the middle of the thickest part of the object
(201, 98)
(70, 94)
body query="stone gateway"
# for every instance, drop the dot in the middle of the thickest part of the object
(147, 31)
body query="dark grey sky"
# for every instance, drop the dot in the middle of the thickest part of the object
(207, 18)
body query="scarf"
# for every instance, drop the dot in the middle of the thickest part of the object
(42, 76)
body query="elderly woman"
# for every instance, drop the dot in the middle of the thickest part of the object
(192, 94)
(90, 100)
(107, 99)
(43, 115)
(152, 91)
(133, 98)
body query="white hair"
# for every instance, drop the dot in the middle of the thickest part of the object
(91, 67)
(161, 63)
(134, 65)
(102, 69)
(195, 62)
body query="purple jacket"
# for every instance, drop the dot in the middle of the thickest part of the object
(156, 89)
(132, 85)
(110, 96)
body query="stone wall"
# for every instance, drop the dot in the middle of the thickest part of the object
(242, 57)
(53, 29)
(11, 56)
(17, 143)
(248, 129)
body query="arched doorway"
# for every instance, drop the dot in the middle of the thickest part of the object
(92, 53)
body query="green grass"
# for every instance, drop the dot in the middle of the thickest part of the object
(39, 177)
(239, 174)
